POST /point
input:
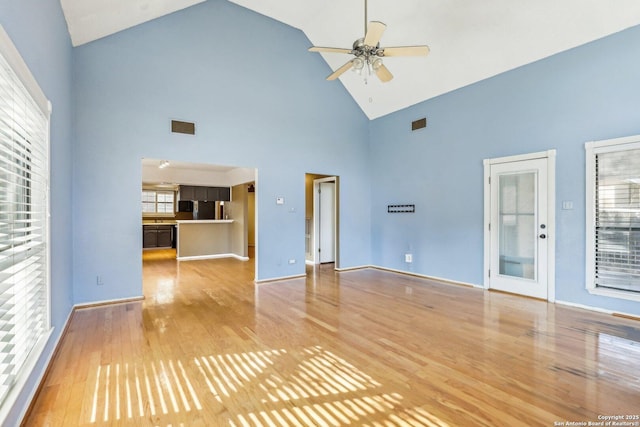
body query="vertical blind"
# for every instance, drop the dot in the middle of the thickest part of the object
(617, 219)
(24, 313)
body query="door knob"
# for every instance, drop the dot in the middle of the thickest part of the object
(543, 236)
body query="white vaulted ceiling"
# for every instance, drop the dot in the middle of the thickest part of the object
(470, 40)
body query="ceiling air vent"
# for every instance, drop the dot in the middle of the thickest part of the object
(183, 127)
(419, 124)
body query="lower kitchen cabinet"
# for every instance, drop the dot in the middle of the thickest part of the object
(157, 236)
(149, 236)
(165, 236)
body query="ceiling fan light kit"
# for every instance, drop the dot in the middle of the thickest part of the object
(368, 53)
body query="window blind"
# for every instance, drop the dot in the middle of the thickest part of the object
(617, 220)
(24, 312)
(157, 202)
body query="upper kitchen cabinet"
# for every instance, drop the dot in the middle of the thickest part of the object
(219, 193)
(201, 193)
(216, 194)
(213, 194)
(224, 194)
(187, 192)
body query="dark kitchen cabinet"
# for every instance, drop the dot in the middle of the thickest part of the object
(213, 194)
(157, 236)
(164, 236)
(187, 192)
(219, 194)
(224, 193)
(200, 193)
(149, 236)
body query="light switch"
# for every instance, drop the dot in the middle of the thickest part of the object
(279, 200)
(567, 205)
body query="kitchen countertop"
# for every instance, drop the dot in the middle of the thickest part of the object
(205, 221)
(152, 222)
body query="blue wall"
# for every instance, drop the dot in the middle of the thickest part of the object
(258, 98)
(588, 93)
(38, 30)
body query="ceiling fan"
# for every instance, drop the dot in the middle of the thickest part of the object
(368, 53)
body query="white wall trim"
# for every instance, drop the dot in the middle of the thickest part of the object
(357, 267)
(216, 256)
(84, 305)
(13, 57)
(315, 240)
(277, 279)
(17, 64)
(23, 377)
(617, 313)
(424, 276)
(591, 149)
(550, 156)
(520, 157)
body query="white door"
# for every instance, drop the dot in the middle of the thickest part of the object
(327, 221)
(519, 228)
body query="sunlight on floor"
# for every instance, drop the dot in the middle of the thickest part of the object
(322, 390)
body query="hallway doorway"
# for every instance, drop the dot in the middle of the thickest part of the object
(322, 219)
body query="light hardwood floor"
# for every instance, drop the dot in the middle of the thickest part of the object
(207, 347)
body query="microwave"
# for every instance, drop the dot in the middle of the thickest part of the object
(185, 206)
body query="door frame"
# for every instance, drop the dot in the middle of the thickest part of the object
(550, 156)
(316, 219)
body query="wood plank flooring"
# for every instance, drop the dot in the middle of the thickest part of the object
(207, 347)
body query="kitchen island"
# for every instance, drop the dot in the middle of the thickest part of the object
(204, 239)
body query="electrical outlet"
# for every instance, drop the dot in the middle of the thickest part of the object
(99, 281)
(408, 258)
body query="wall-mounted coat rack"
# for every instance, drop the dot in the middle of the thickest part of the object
(401, 208)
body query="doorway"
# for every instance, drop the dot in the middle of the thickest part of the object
(519, 224)
(322, 219)
(232, 226)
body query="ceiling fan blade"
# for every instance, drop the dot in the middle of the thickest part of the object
(374, 33)
(406, 51)
(337, 73)
(384, 74)
(328, 49)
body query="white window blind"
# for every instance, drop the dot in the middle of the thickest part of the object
(157, 202)
(617, 220)
(24, 289)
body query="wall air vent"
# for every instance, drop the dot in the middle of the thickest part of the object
(183, 127)
(419, 124)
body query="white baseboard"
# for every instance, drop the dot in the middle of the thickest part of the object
(216, 256)
(357, 267)
(584, 307)
(277, 279)
(600, 310)
(424, 276)
(107, 302)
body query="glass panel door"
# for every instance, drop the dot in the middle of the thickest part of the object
(517, 220)
(518, 249)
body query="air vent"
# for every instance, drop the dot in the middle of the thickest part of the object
(419, 124)
(183, 127)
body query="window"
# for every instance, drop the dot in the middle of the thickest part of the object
(613, 217)
(157, 202)
(24, 229)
